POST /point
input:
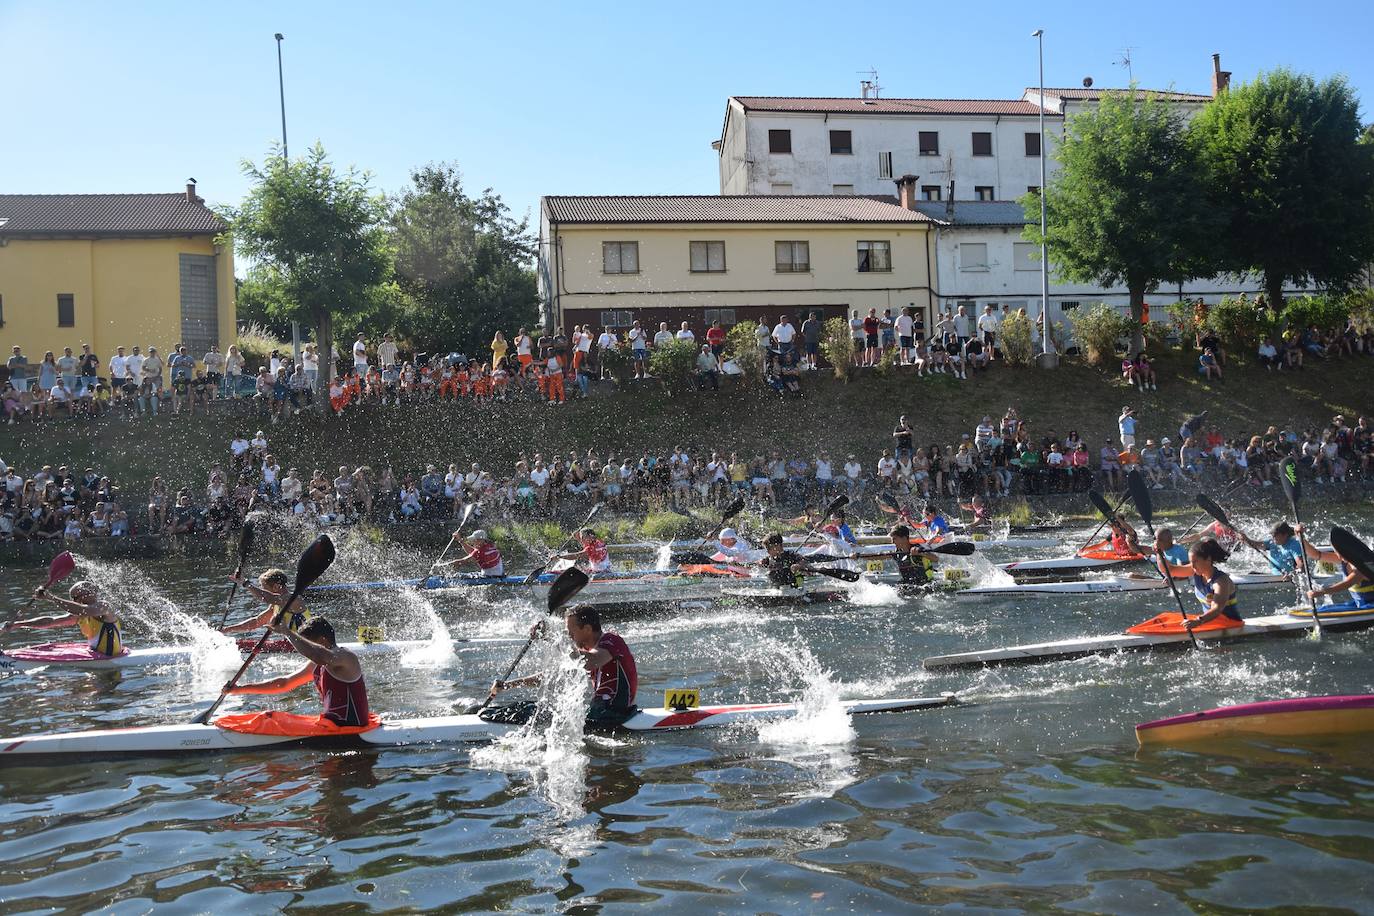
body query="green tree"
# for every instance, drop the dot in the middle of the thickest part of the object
(463, 264)
(1284, 168)
(1125, 208)
(257, 301)
(316, 238)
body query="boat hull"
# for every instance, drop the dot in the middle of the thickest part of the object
(1111, 586)
(1301, 717)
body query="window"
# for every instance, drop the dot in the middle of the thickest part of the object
(970, 304)
(780, 141)
(1067, 306)
(1032, 144)
(707, 257)
(930, 192)
(66, 310)
(875, 257)
(884, 165)
(842, 188)
(973, 256)
(620, 318)
(983, 192)
(792, 257)
(726, 317)
(1032, 189)
(841, 143)
(1026, 255)
(928, 142)
(982, 143)
(620, 257)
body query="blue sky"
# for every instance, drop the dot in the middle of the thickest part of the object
(536, 98)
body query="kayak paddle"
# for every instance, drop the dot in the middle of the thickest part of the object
(245, 544)
(848, 575)
(1140, 495)
(562, 590)
(1353, 551)
(539, 570)
(836, 504)
(462, 523)
(1108, 513)
(735, 507)
(312, 564)
(1198, 521)
(60, 568)
(1292, 488)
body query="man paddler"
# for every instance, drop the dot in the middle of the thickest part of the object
(914, 564)
(785, 567)
(335, 671)
(609, 662)
(593, 554)
(1175, 555)
(273, 587)
(482, 550)
(735, 548)
(1282, 548)
(96, 620)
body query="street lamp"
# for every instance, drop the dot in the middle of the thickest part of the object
(1048, 358)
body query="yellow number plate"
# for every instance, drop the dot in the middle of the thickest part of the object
(956, 575)
(978, 537)
(370, 635)
(1327, 568)
(874, 565)
(682, 698)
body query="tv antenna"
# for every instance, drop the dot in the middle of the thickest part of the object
(869, 87)
(1125, 61)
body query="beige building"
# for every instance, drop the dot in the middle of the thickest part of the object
(609, 261)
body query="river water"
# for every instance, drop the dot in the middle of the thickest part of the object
(1029, 794)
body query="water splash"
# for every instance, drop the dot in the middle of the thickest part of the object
(663, 557)
(867, 593)
(140, 602)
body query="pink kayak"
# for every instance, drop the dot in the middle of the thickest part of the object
(1297, 717)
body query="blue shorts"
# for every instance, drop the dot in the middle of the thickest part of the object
(811, 348)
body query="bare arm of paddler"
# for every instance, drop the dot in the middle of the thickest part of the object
(75, 610)
(466, 558)
(1355, 577)
(340, 662)
(1218, 597)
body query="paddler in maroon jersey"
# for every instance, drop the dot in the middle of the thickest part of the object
(335, 671)
(482, 550)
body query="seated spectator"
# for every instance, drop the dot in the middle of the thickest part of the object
(1269, 355)
(708, 367)
(1208, 365)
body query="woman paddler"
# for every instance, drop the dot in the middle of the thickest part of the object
(96, 620)
(1212, 586)
(272, 588)
(1360, 588)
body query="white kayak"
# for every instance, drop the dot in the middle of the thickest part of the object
(1066, 564)
(79, 656)
(1112, 586)
(1293, 623)
(188, 738)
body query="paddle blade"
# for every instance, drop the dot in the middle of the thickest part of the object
(1292, 487)
(1100, 503)
(60, 568)
(953, 549)
(1208, 505)
(313, 562)
(735, 508)
(1140, 495)
(563, 589)
(848, 575)
(836, 504)
(467, 515)
(245, 538)
(887, 499)
(1353, 551)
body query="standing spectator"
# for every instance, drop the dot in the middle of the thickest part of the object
(386, 352)
(360, 356)
(1126, 423)
(904, 325)
(811, 337)
(88, 365)
(639, 349)
(987, 329)
(182, 366)
(685, 333)
(582, 349)
(152, 379)
(887, 328)
(233, 371)
(214, 371)
(763, 335)
(708, 368)
(853, 475)
(67, 368)
(117, 370)
(902, 438)
(604, 344)
(133, 377)
(963, 325)
(524, 351)
(784, 334)
(18, 366)
(47, 372)
(871, 349)
(310, 365)
(856, 333)
(715, 343)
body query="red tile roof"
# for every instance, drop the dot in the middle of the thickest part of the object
(1093, 95)
(888, 106)
(730, 209)
(106, 214)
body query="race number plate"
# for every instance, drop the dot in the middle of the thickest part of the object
(370, 635)
(978, 537)
(874, 565)
(682, 698)
(1327, 568)
(956, 575)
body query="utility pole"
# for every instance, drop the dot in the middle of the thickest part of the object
(285, 158)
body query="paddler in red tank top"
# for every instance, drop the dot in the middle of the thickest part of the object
(593, 551)
(335, 671)
(482, 550)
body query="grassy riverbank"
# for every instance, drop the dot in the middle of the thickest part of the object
(841, 418)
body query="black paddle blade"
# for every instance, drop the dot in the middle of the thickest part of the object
(691, 559)
(735, 507)
(313, 562)
(836, 504)
(1140, 495)
(1208, 505)
(1100, 503)
(1292, 486)
(848, 575)
(1353, 551)
(953, 549)
(245, 538)
(887, 499)
(563, 589)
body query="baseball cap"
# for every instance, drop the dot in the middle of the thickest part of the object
(728, 534)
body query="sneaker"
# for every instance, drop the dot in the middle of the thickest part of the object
(1154, 387)
(1158, 486)
(1267, 483)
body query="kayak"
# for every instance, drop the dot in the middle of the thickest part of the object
(78, 655)
(1294, 623)
(1293, 718)
(1069, 564)
(1112, 586)
(184, 737)
(873, 539)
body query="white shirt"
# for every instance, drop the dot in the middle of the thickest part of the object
(259, 444)
(133, 366)
(886, 467)
(856, 328)
(386, 353)
(784, 333)
(823, 469)
(606, 340)
(539, 476)
(987, 322)
(359, 353)
(584, 343)
(273, 364)
(962, 325)
(310, 360)
(742, 550)
(905, 323)
(762, 334)
(117, 366)
(853, 469)
(522, 345)
(639, 340)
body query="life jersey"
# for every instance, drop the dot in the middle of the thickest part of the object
(1224, 536)
(1362, 592)
(104, 638)
(847, 534)
(915, 568)
(1120, 545)
(1176, 555)
(488, 558)
(345, 702)
(937, 526)
(1202, 588)
(294, 620)
(780, 569)
(597, 556)
(1283, 558)
(615, 683)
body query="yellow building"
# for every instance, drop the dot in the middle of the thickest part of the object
(112, 270)
(609, 261)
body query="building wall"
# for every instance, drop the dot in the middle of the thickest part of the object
(812, 169)
(572, 258)
(126, 292)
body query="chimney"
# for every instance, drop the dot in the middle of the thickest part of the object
(1221, 79)
(906, 191)
(191, 192)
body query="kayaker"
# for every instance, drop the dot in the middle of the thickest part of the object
(1175, 554)
(1352, 580)
(834, 546)
(481, 549)
(593, 553)
(1228, 538)
(1124, 540)
(609, 663)
(1213, 587)
(934, 523)
(85, 611)
(845, 532)
(1282, 548)
(785, 567)
(982, 514)
(735, 548)
(273, 588)
(335, 671)
(914, 564)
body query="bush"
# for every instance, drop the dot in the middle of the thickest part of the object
(743, 348)
(1360, 306)
(664, 526)
(673, 364)
(1327, 313)
(1182, 318)
(1156, 334)
(838, 347)
(1241, 323)
(886, 362)
(1097, 330)
(256, 344)
(1016, 339)
(618, 362)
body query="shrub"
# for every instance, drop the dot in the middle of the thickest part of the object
(1182, 318)
(1156, 335)
(618, 361)
(838, 347)
(664, 526)
(673, 364)
(743, 348)
(886, 362)
(256, 344)
(1360, 306)
(1016, 339)
(1240, 323)
(1097, 330)
(1327, 313)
